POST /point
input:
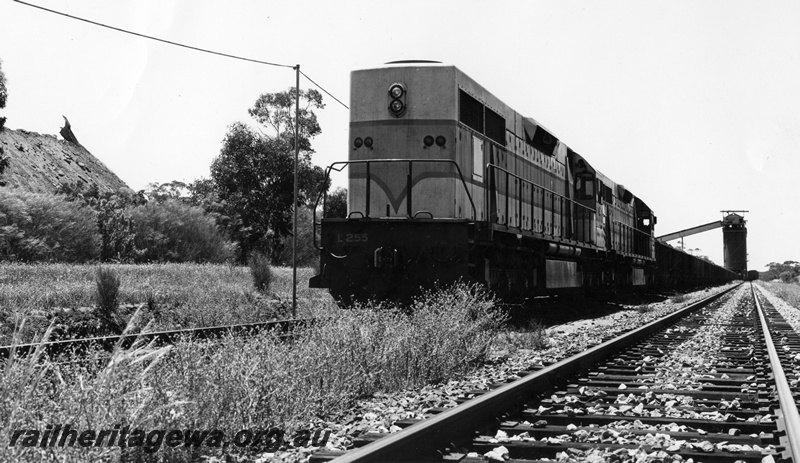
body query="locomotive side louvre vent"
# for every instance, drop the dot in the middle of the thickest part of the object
(470, 111)
(495, 127)
(480, 118)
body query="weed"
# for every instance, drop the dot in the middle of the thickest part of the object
(644, 308)
(107, 297)
(261, 271)
(678, 298)
(536, 335)
(87, 392)
(532, 336)
(256, 382)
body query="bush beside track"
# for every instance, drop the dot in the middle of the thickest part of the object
(249, 383)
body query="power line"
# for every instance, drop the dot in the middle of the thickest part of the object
(320, 87)
(154, 38)
(190, 47)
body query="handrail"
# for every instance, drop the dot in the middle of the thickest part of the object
(631, 243)
(340, 165)
(491, 188)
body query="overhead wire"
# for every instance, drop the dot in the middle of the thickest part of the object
(178, 44)
(320, 87)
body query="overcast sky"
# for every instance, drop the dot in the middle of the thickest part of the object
(692, 105)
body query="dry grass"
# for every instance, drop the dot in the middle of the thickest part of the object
(789, 292)
(534, 336)
(678, 298)
(645, 308)
(176, 295)
(248, 383)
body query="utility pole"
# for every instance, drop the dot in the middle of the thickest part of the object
(294, 204)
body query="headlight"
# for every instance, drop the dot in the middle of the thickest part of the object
(397, 95)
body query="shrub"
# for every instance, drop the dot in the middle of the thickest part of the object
(260, 270)
(378, 349)
(39, 227)
(115, 225)
(107, 297)
(174, 232)
(107, 293)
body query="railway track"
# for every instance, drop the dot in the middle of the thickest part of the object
(124, 341)
(705, 383)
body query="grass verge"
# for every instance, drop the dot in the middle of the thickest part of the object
(247, 383)
(175, 296)
(789, 292)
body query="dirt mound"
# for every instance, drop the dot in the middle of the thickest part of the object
(41, 163)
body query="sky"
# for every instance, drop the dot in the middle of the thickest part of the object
(694, 106)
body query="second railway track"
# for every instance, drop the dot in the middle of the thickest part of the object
(126, 340)
(705, 383)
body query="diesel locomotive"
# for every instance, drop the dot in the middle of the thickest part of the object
(446, 183)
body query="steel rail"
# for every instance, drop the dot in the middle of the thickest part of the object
(422, 441)
(790, 418)
(164, 337)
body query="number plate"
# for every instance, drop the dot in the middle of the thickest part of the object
(352, 238)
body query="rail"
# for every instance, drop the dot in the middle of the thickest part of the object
(340, 165)
(577, 226)
(790, 418)
(161, 337)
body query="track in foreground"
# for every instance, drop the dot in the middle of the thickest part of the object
(696, 384)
